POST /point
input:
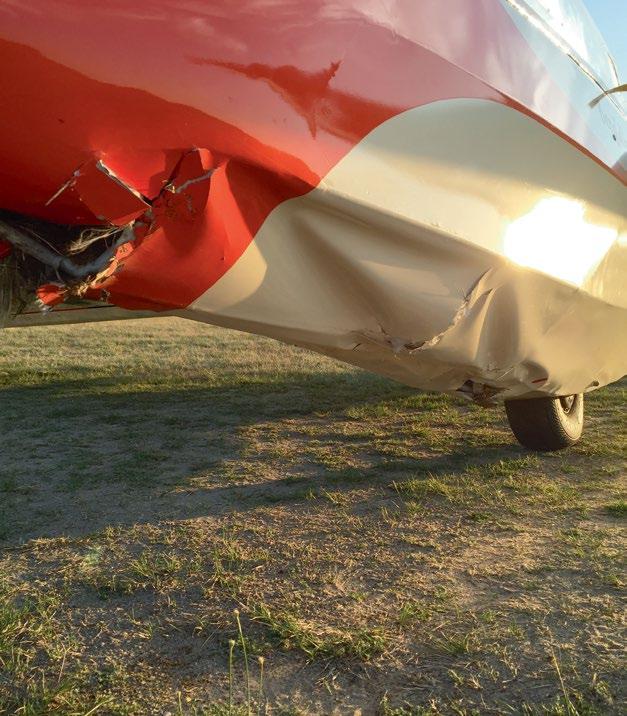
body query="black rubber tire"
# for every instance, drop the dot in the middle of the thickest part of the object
(546, 424)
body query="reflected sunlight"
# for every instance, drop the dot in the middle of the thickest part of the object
(556, 239)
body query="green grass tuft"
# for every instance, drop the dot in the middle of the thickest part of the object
(617, 509)
(292, 633)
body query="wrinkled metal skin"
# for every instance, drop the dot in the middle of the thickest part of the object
(425, 189)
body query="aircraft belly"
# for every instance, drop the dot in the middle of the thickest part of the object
(460, 246)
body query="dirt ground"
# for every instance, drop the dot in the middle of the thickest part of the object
(196, 521)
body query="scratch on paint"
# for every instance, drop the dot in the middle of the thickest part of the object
(189, 182)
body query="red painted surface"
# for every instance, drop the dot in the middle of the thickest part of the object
(274, 94)
(6, 249)
(50, 295)
(109, 199)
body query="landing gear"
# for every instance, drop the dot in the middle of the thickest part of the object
(546, 424)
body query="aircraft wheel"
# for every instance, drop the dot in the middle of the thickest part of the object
(546, 424)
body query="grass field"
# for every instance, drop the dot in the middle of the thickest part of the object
(195, 521)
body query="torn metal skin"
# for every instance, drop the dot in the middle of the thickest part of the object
(70, 263)
(461, 228)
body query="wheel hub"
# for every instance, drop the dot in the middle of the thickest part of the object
(567, 403)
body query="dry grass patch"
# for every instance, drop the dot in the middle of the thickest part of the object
(385, 549)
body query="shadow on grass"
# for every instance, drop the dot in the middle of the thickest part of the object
(129, 453)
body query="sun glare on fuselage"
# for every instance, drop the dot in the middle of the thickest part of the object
(555, 238)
